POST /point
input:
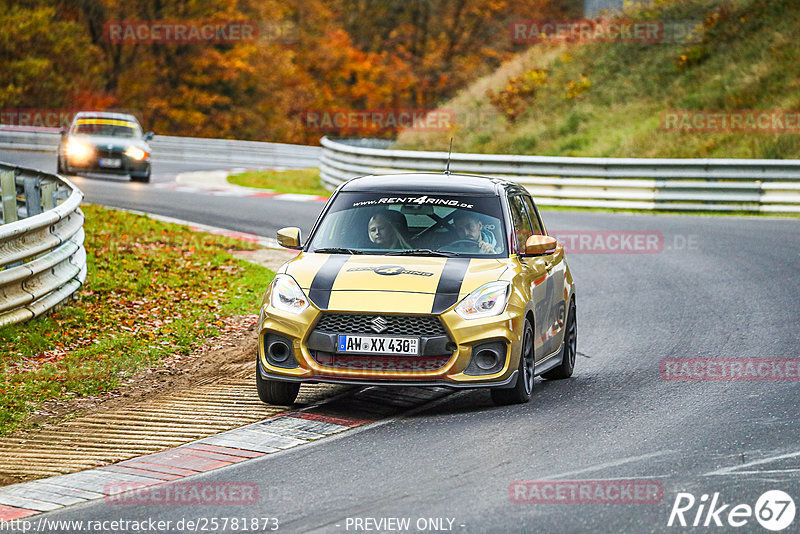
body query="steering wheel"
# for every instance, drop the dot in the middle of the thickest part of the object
(463, 245)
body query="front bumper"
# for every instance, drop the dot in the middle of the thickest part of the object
(509, 382)
(314, 359)
(128, 165)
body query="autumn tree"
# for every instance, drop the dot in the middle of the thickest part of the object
(45, 62)
(445, 43)
(352, 54)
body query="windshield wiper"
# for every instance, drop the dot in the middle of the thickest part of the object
(337, 250)
(422, 252)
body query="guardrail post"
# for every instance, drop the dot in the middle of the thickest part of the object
(49, 195)
(8, 189)
(33, 195)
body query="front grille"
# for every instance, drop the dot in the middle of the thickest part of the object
(105, 153)
(396, 325)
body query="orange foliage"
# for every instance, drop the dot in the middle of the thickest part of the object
(330, 54)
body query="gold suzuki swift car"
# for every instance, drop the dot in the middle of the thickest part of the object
(420, 279)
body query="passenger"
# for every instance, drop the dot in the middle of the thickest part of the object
(469, 227)
(383, 233)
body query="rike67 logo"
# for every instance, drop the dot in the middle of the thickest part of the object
(774, 510)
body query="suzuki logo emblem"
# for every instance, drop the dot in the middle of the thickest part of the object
(379, 324)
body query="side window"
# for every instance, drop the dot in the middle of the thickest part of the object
(534, 216)
(522, 226)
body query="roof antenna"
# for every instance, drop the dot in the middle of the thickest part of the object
(447, 170)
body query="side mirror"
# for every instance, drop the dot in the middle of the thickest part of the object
(289, 237)
(536, 245)
(148, 136)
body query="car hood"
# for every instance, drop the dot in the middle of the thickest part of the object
(400, 284)
(117, 143)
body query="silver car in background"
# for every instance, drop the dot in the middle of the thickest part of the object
(100, 141)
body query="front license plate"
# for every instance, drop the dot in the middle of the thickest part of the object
(111, 162)
(405, 346)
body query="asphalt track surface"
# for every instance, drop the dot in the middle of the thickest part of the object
(243, 214)
(720, 287)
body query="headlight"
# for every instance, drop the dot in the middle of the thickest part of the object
(135, 153)
(486, 301)
(78, 151)
(287, 295)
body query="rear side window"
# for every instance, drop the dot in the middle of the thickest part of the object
(522, 225)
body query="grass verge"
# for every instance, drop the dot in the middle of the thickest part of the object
(303, 181)
(153, 290)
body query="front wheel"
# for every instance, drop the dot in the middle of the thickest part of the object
(275, 391)
(521, 392)
(569, 349)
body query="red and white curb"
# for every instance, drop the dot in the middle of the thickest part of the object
(215, 183)
(256, 440)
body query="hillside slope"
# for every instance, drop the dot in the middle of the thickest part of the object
(609, 99)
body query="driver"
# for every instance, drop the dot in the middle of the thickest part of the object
(470, 227)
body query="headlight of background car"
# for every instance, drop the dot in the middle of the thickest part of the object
(486, 301)
(287, 295)
(135, 153)
(77, 151)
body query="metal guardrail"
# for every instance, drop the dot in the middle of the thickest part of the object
(42, 258)
(183, 149)
(769, 186)
(630, 183)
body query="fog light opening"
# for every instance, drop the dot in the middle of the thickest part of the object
(486, 359)
(279, 351)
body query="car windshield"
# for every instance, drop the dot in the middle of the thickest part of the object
(107, 127)
(414, 224)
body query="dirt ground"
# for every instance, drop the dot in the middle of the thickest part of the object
(231, 354)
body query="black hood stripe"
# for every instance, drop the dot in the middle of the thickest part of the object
(321, 285)
(450, 284)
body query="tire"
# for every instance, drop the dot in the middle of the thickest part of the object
(275, 391)
(521, 392)
(569, 349)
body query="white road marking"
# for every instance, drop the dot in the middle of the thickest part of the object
(606, 465)
(737, 469)
(767, 472)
